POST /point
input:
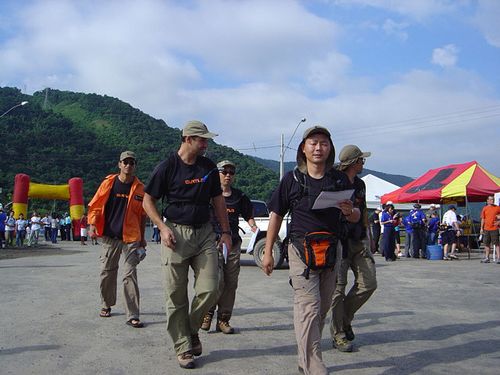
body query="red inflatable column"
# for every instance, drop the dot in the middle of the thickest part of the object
(20, 199)
(76, 207)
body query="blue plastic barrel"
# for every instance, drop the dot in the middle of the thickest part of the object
(434, 252)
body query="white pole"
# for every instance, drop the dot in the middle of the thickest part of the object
(282, 156)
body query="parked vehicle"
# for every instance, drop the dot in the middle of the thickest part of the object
(261, 216)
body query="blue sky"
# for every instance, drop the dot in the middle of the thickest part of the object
(417, 83)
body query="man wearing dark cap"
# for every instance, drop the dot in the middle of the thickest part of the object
(358, 257)
(449, 237)
(237, 204)
(115, 213)
(418, 223)
(189, 182)
(314, 250)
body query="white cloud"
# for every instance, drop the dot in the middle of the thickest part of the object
(392, 27)
(445, 56)
(487, 19)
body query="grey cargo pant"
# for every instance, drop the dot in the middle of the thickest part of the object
(228, 282)
(110, 257)
(194, 248)
(360, 260)
(312, 301)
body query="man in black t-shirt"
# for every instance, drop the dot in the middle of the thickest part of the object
(189, 182)
(313, 286)
(374, 221)
(237, 203)
(358, 257)
(116, 214)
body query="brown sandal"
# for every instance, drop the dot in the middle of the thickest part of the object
(105, 312)
(136, 323)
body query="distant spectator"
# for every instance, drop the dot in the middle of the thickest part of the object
(388, 240)
(397, 237)
(449, 236)
(46, 227)
(54, 227)
(489, 228)
(409, 235)
(67, 226)
(432, 229)
(21, 224)
(10, 227)
(83, 229)
(374, 220)
(35, 229)
(3, 218)
(418, 224)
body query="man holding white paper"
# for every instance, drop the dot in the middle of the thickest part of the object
(237, 204)
(315, 235)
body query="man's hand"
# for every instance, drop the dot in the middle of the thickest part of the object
(268, 263)
(167, 237)
(225, 239)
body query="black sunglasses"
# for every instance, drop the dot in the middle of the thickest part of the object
(128, 162)
(231, 173)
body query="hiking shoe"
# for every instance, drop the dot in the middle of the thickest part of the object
(196, 348)
(224, 327)
(485, 260)
(342, 345)
(452, 256)
(349, 334)
(207, 322)
(186, 360)
(446, 257)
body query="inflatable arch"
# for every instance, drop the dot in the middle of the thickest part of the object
(73, 191)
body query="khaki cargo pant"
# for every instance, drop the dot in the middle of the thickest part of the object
(228, 282)
(360, 260)
(312, 301)
(194, 248)
(110, 257)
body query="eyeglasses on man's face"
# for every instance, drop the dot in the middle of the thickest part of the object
(361, 160)
(228, 172)
(128, 162)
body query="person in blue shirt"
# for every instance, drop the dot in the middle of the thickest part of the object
(432, 229)
(409, 235)
(3, 217)
(418, 221)
(388, 238)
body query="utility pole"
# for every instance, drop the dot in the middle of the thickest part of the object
(283, 148)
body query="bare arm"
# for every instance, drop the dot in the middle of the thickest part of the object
(272, 233)
(167, 236)
(221, 213)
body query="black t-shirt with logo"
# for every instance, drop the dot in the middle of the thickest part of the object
(115, 209)
(236, 204)
(291, 196)
(187, 189)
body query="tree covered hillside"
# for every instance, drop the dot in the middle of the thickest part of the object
(60, 135)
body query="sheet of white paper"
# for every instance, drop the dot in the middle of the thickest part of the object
(251, 244)
(224, 252)
(328, 199)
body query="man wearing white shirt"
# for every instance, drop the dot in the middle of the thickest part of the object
(449, 236)
(35, 229)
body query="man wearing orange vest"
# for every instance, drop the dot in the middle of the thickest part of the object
(116, 214)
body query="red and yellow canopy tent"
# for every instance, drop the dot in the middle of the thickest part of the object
(468, 182)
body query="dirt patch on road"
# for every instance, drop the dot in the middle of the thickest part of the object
(38, 251)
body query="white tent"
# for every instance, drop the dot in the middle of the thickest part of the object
(376, 187)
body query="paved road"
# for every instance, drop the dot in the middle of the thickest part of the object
(427, 317)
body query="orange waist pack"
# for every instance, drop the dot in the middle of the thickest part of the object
(320, 250)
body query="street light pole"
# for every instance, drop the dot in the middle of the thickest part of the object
(10, 109)
(283, 148)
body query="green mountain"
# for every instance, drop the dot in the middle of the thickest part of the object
(60, 135)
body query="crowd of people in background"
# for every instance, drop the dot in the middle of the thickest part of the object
(27, 232)
(452, 231)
